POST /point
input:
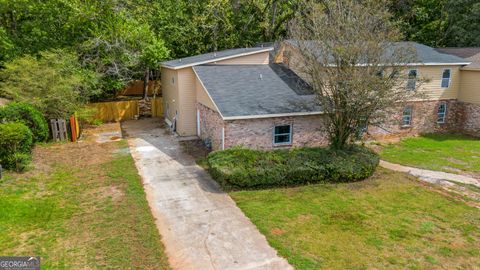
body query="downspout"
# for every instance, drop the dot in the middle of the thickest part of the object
(223, 137)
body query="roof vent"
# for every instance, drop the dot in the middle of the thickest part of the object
(261, 76)
(214, 54)
(180, 59)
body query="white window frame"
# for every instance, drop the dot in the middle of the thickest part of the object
(410, 108)
(290, 134)
(441, 116)
(414, 80)
(449, 78)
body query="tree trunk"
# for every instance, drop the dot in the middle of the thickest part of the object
(145, 83)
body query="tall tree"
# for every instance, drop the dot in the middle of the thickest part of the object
(350, 59)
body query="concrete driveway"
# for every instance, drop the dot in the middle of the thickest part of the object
(201, 226)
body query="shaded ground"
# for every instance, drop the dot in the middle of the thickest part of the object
(81, 207)
(390, 221)
(201, 226)
(439, 152)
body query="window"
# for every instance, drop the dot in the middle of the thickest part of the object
(446, 78)
(412, 79)
(442, 112)
(282, 134)
(407, 117)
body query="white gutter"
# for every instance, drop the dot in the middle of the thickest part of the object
(412, 64)
(267, 49)
(270, 115)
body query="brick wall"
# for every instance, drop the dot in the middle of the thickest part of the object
(469, 117)
(211, 124)
(308, 130)
(258, 133)
(424, 120)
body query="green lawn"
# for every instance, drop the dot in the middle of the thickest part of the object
(389, 221)
(442, 152)
(82, 207)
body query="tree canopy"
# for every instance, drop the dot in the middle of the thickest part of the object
(120, 39)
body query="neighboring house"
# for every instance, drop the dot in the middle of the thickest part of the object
(469, 92)
(256, 97)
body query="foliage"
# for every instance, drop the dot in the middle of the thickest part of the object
(247, 168)
(380, 223)
(119, 38)
(350, 56)
(439, 23)
(16, 141)
(54, 82)
(27, 115)
(453, 153)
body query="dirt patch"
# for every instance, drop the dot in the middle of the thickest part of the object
(195, 148)
(277, 231)
(3, 101)
(113, 192)
(70, 154)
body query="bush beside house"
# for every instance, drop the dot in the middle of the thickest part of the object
(247, 168)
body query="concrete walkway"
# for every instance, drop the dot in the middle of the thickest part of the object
(431, 176)
(201, 226)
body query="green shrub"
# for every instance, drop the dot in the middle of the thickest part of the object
(28, 115)
(16, 142)
(247, 168)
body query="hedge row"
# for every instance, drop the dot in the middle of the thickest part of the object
(247, 168)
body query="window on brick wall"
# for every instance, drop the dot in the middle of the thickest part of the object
(407, 116)
(282, 134)
(442, 112)
(446, 74)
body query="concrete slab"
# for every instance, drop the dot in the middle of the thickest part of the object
(201, 226)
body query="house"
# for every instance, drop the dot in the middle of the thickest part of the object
(258, 98)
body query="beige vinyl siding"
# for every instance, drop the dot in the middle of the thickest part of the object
(253, 59)
(186, 124)
(432, 87)
(470, 86)
(170, 92)
(203, 97)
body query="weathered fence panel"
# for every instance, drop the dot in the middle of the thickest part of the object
(59, 129)
(116, 111)
(157, 107)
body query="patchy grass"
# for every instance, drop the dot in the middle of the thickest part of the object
(441, 152)
(389, 221)
(82, 207)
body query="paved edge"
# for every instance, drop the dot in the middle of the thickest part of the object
(428, 174)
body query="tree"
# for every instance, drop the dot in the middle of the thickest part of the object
(54, 82)
(351, 60)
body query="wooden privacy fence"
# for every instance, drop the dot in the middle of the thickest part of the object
(115, 111)
(157, 107)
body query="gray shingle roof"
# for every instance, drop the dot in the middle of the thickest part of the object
(425, 54)
(246, 90)
(212, 57)
(470, 54)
